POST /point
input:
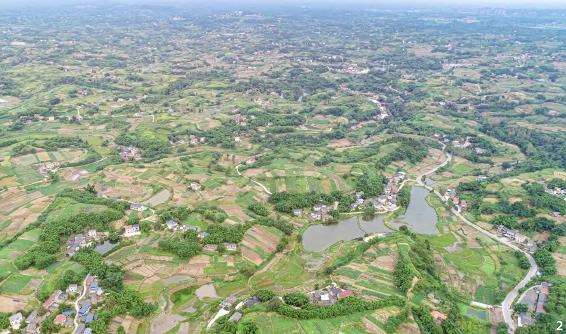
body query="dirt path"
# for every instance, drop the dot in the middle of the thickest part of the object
(254, 181)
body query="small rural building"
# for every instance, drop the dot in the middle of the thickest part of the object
(438, 316)
(16, 320)
(73, 289)
(60, 320)
(53, 300)
(171, 224)
(132, 230)
(236, 317)
(137, 207)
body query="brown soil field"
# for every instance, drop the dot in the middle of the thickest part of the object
(15, 198)
(371, 327)
(164, 322)
(235, 210)
(195, 266)
(74, 174)
(386, 262)
(560, 263)
(10, 304)
(260, 237)
(339, 143)
(23, 216)
(159, 198)
(42, 156)
(254, 172)
(251, 256)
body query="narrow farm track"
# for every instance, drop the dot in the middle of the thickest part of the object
(261, 185)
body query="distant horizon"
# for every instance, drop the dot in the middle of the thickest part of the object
(507, 4)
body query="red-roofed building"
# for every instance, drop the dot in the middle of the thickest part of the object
(60, 319)
(438, 316)
(53, 300)
(345, 293)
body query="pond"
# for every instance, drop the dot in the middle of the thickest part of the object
(319, 237)
(105, 247)
(420, 217)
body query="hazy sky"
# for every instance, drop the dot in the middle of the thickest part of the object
(232, 3)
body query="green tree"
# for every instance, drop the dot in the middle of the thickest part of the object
(248, 327)
(371, 183)
(265, 295)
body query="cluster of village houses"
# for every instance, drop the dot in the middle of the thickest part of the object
(227, 304)
(194, 140)
(32, 323)
(86, 313)
(130, 153)
(522, 241)
(174, 226)
(329, 295)
(459, 143)
(451, 195)
(386, 202)
(555, 191)
(134, 229)
(326, 296)
(78, 241)
(48, 167)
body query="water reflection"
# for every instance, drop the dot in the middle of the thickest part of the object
(319, 237)
(420, 217)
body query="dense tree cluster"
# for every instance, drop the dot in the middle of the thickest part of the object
(541, 199)
(403, 273)
(152, 145)
(288, 201)
(371, 183)
(297, 299)
(211, 212)
(346, 306)
(279, 224)
(533, 143)
(185, 246)
(258, 209)
(218, 234)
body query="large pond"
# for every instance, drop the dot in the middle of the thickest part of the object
(419, 217)
(319, 237)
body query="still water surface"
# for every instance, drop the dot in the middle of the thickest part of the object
(419, 217)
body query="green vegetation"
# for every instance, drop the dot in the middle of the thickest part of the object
(227, 122)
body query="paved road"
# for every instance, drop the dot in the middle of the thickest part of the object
(77, 307)
(506, 306)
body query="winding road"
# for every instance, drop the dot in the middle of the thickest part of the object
(254, 181)
(506, 306)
